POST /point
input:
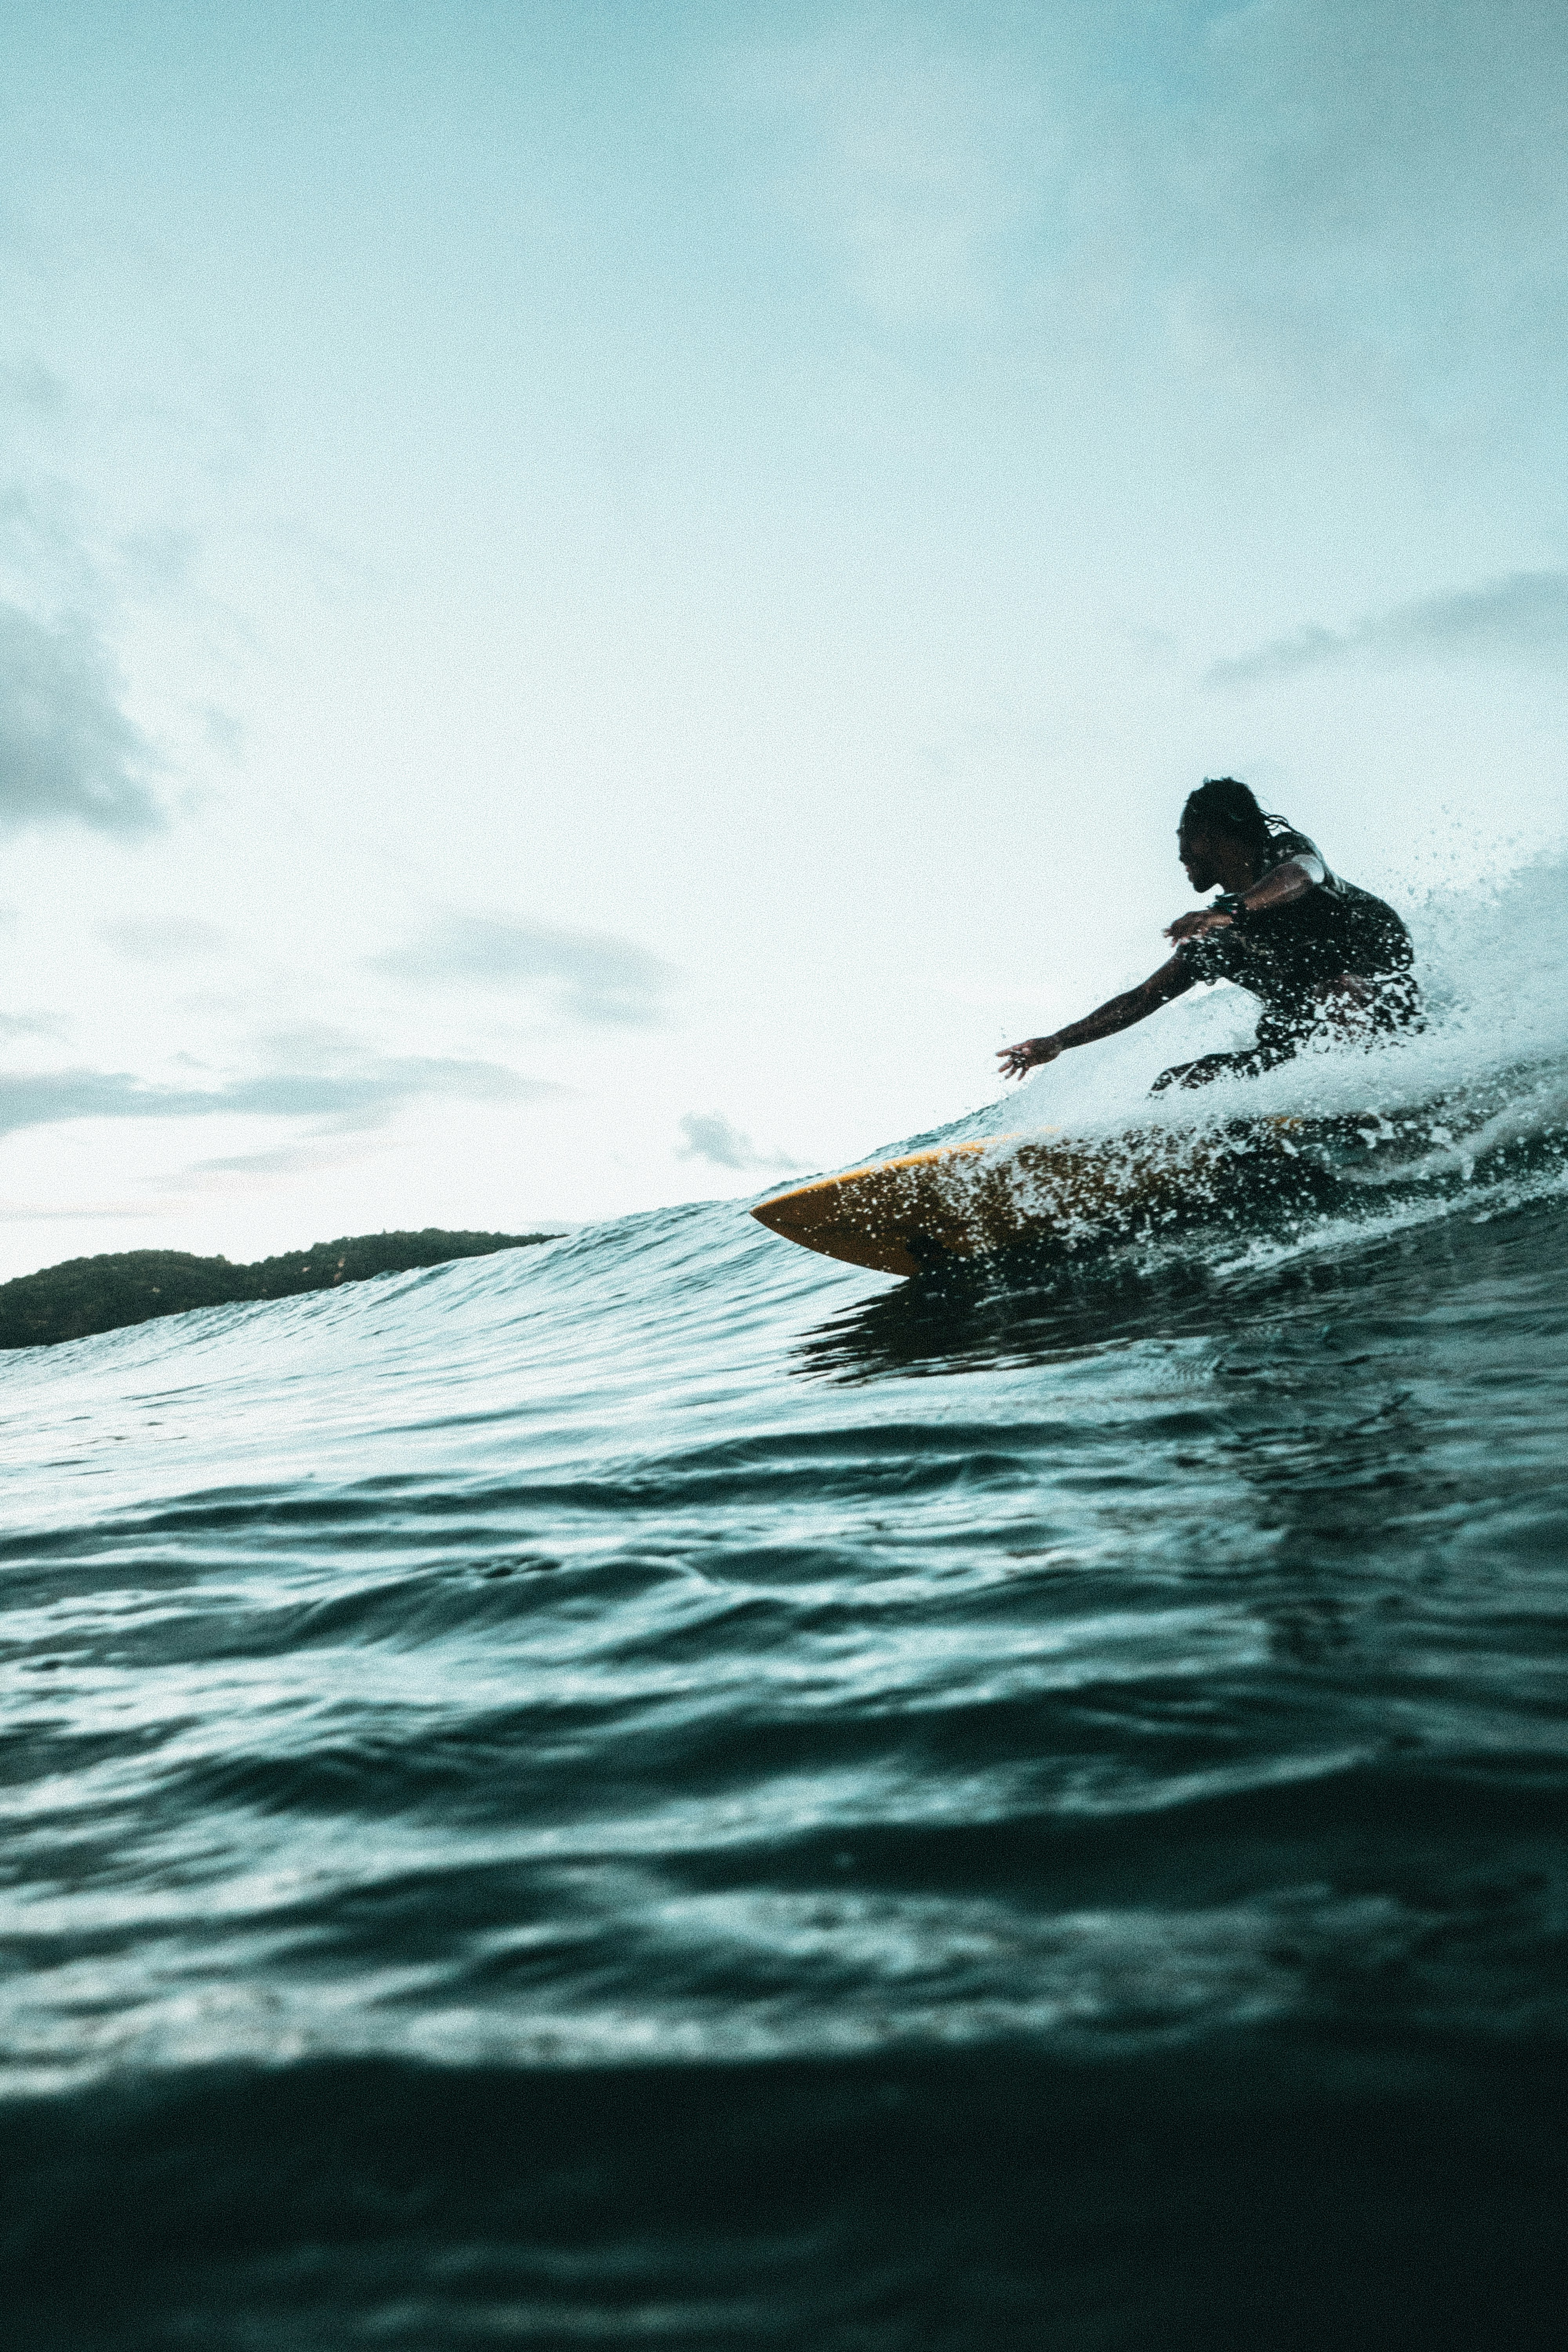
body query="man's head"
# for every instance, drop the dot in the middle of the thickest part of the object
(1219, 819)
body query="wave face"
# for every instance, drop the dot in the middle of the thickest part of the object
(659, 1790)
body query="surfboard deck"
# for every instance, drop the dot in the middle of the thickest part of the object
(962, 1200)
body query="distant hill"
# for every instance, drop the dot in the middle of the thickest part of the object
(101, 1294)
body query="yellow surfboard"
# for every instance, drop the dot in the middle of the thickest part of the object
(969, 1200)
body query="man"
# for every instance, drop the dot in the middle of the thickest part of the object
(1319, 952)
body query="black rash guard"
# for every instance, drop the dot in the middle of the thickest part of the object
(1291, 955)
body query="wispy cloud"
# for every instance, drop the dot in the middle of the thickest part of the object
(709, 1136)
(351, 1097)
(1354, 117)
(34, 387)
(67, 750)
(156, 562)
(1523, 618)
(47, 549)
(590, 976)
(162, 938)
(917, 158)
(300, 1159)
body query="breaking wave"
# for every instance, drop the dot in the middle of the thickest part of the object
(661, 1788)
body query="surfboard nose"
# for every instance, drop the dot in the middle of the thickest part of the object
(772, 1212)
(833, 1215)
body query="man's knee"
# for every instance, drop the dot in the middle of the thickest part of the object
(1201, 1073)
(1210, 1066)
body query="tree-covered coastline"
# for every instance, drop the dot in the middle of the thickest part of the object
(85, 1295)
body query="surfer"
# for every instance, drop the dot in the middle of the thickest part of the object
(1322, 955)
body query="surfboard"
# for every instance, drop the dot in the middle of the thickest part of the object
(970, 1200)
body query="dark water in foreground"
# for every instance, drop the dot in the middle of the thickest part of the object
(658, 1791)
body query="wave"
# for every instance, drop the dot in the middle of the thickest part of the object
(661, 1788)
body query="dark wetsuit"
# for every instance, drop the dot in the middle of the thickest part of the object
(1291, 955)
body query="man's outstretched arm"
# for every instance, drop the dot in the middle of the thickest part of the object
(1172, 978)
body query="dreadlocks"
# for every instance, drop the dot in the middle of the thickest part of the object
(1222, 804)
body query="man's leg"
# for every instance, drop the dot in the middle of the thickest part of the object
(1247, 1065)
(1204, 1072)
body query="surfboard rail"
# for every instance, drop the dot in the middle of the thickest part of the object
(972, 1199)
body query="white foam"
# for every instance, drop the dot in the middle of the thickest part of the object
(1492, 959)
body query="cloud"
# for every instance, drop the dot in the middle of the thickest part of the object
(917, 159)
(1365, 201)
(67, 749)
(157, 560)
(284, 1159)
(1308, 211)
(224, 731)
(710, 1136)
(591, 977)
(1353, 117)
(162, 938)
(350, 1097)
(32, 386)
(45, 551)
(381, 1084)
(1523, 618)
(33, 1212)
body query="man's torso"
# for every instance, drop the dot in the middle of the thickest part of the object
(1289, 955)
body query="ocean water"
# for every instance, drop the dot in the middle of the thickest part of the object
(660, 1791)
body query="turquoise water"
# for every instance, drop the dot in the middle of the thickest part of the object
(659, 1789)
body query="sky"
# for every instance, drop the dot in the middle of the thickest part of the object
(599, 600)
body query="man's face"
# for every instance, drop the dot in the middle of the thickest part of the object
(1196, 853)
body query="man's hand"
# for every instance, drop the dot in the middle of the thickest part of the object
(1201, 919)
(1018, 1060)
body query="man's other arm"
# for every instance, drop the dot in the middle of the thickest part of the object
(1172, 978)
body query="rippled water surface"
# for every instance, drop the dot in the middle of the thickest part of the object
(656, 1790)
